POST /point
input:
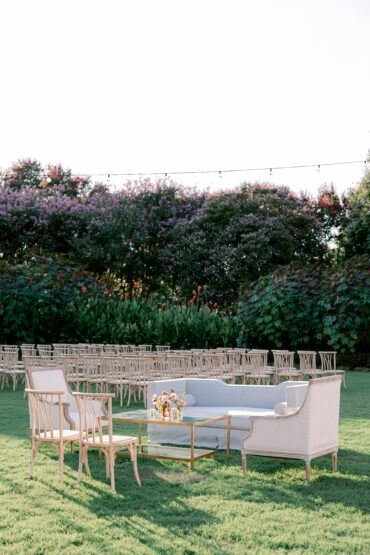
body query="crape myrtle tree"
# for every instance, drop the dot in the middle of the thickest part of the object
(238, 236)
(127, 231)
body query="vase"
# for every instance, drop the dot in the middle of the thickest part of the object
(166, 410)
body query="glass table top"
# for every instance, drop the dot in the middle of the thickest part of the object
(169, 452)
(144, 415)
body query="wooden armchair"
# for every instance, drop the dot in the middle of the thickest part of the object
(46, 414)
(90, 406)
(306, 433)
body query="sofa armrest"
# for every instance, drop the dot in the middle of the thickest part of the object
(276, 434)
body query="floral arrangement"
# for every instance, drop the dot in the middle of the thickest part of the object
(166, 398)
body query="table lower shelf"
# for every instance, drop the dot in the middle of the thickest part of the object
(168, 452)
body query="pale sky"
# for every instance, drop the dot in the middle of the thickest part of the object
(119, 86)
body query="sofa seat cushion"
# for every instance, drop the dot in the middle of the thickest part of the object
(239, 415)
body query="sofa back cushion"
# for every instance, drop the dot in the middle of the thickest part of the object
(211, 392)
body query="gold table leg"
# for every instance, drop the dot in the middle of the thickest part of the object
(191, 463)
(228, 438)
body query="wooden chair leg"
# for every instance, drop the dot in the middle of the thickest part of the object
(80, 462)
(244, 463)
(61, 459)
(33, 456)
(308, 471)
(133, 454)
(335, 462)
(111, 468)
(106, 465)
(86, 461)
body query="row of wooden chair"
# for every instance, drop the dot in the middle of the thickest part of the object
(129, 372)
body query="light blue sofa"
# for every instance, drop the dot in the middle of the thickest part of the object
(211, 397)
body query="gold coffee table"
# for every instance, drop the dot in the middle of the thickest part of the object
(187, 454)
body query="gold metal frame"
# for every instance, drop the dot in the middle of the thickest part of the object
(169, 422)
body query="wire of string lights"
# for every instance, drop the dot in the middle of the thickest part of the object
(219, 172)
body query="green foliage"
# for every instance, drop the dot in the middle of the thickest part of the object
(310, 308)
(137, 321)
(48, 301)
(40, 300)
(356, 231)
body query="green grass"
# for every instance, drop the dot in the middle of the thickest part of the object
(214, 509)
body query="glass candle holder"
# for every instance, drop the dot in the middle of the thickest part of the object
(174, 413)
(153, 414)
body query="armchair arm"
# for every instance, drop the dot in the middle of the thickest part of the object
(277, 434)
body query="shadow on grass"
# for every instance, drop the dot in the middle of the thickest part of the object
(269, 481)
(162, 501)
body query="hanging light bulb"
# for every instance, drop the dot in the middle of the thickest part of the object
(318, 168)
(270, 171)
(220, 174)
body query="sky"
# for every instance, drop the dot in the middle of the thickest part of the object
(120, 86)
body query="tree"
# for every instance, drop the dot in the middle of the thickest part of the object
(238, 236)
(356, 230)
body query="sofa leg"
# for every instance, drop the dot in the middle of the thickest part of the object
(244, 463)
(308, 471)
(335, 462)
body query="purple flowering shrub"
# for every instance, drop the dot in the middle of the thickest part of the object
(238, 236)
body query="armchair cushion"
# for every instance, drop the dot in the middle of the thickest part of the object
(280, 408)
(190, 400)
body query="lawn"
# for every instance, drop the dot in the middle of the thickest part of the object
(214, 509)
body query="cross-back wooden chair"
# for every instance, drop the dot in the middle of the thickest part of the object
(90, 409)
(329, 365)
(307, 364)
(284, 366)
(257, 363)
(45, 350)
(71, 367)
(28, 349)
(46, 414)
(11, 368)
(161, 348)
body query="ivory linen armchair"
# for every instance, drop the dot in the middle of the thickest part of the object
(306, 433)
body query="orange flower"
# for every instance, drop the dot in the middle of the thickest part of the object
(199, 287)
(159, 310)
(54, 286)
(163, 304)
(84, 289)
